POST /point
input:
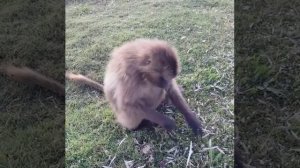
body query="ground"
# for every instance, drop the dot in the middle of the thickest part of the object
(267, 83)
(202, 32)
(31, 118)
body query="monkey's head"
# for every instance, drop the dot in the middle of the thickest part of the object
(160, 63)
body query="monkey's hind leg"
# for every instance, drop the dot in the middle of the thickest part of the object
(159, 119)
(145, 124)
(132, 119)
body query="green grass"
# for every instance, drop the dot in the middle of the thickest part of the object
(202, 31)
(267, 86)
(31, 119)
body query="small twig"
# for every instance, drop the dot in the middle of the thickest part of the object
(112, 160)
(122, 141)
(190, 153)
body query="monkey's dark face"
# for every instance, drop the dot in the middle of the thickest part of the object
(158, 79)
(161, 66)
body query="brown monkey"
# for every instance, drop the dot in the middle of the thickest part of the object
(139, 75)
(27, 75)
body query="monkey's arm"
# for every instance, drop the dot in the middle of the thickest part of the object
(80, 79)
(24, 74)
(180, 103)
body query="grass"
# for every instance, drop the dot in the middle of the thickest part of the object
(267, 86)
(31, 119)
(202, 31)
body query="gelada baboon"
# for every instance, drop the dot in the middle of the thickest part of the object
(138, 77)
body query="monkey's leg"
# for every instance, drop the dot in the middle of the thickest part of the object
(132, 118)
(145, 124)
(159, 119)
(180, 103)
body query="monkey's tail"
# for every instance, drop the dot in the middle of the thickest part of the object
(27, 75)
(82, 80)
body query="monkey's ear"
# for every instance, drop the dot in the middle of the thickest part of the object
(146, 60)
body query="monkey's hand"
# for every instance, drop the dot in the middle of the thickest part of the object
(195, 124)
(169, 124)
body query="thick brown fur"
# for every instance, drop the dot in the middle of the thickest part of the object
(27, 75)
(139, 76)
